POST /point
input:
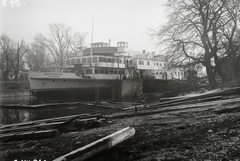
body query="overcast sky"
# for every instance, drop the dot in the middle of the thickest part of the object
(118, 20)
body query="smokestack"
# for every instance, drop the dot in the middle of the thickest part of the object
(109, 42)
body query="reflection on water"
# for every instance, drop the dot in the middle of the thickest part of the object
(14, 96)
(9, 116)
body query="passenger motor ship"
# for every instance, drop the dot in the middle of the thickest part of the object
(98, 66)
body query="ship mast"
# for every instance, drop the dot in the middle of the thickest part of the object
(92, 37)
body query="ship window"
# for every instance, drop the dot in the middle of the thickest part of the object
(100, 59)
(68, 62)
(120, 61)
(115, 72)
(84, 60)
(89, 60)
(111, 71)
(96, 71)
(113, 60)
(77, 61)
(72, 71)
(106, 71)
(101, 71)
(148, 63)
(157, 64)
(157, 73)
(88, 71)
(104, 59)
(94, 59)
(109, 60)
(160, 64)
(72, 61)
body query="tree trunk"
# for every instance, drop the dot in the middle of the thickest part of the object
(218, 69)
(211, 77)
(5, 76)
(236, 66)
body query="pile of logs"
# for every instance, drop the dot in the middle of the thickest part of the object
(218, 94)
(50, 127)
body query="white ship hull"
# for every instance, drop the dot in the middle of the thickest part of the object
(42, 81)
(67, 86)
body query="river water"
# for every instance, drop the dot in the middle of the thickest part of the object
(18, 114)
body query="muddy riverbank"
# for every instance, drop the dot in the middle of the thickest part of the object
(209, 130)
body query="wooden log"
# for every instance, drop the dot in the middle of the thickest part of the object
(29, 135)
(55, 119)
(98, 146)
(31, 127)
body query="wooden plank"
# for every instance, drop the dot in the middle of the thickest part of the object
(98, 146)
(27, 128)
(29, 135)
(44, 120)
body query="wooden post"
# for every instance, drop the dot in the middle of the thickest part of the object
(98, 146)
(113, 91)
(97, 94)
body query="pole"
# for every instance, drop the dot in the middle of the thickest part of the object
(98, 146)
(92, 37)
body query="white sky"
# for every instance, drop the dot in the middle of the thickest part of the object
(118, 20)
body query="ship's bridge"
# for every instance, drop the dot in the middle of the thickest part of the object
(100, 48)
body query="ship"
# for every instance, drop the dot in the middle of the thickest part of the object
(101, 68)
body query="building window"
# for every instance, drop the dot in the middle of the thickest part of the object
(94, 59)
(160, 64)
(100, 59)
(157, 64)
(78, 61)
(84, 60)
(148, 63)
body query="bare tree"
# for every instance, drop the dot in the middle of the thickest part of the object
(196, 31)
(36, 58)
(16, 57)
(6, 45)
(61, 42)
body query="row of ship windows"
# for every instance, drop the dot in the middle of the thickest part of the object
(107, 60)
(104, 71)
(93, 60)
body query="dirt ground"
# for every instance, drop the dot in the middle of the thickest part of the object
(200, 131)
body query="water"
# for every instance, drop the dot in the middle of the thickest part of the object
(19, 114)
(15, 96)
